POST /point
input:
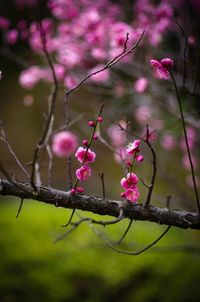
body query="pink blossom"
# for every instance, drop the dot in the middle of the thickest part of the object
(120, 154)
(85, 155)
(64, 143)
(83, 173)
(133, 147)
(132, 194)
(117, 136)
(161, 68)
(143, 114)
(29, 77)
(129, 181)
(168, 142)
(141, 84)
(11, 36)
(4, 23)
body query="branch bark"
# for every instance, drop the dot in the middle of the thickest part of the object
(180, 219)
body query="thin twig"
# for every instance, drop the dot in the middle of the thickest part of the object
(126, 231)
(186, 140)
(3, 137)
(154, 168)
(127, 252)
(20, 207)
(101, 175)
(52, 101)
(184, 52)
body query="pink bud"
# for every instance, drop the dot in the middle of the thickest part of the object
(91, 123)
(95, 137)
(79, 189)
(123, 194)
(140, 158)
(167, 62)
(73, 191)
(85, 142)
(129, 163)
(100, 119)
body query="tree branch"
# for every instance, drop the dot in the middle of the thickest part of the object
(180, 219)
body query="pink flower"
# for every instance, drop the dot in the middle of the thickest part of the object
(117, 136)
(83, 173)
(64, 143)
(12, 36)
(132, 194)
(129, 181)
(133, 147)
(4, 23)
(141, 84)
(168, 142)
(85, 155)
(161, 68)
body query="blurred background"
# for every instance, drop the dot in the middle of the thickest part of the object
(81, 267)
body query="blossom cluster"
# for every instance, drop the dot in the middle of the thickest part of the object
(83, 36)
(129, 183)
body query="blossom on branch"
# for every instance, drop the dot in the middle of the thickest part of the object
(161, 68)
(83, 173)
(85, 155)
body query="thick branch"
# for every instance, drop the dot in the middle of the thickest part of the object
(181, 219)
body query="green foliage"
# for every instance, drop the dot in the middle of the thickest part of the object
(82, 268)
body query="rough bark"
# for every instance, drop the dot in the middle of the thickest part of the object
(181, 219)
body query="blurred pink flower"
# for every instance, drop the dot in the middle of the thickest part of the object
(11, 36)
(168, 142)
(143, 114)
(64, 143)
(117, 136)
(141, 84)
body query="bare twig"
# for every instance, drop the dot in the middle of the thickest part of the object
(127, 252)
(52, 100)
(184, 52)
(3, 137)
(20, 208)
(101, 175)
(126, 231)
(186, 140)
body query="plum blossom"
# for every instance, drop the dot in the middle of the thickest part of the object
(129, 181)
(85, 155)
(83, 173)
(168, 142)
(64, 143)
(132, 194)
(141, 84)
(133, 147)
(161, 68)
(29, 77)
